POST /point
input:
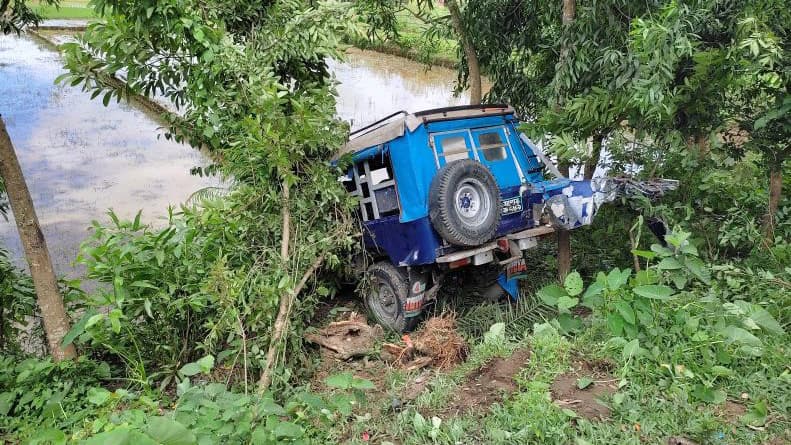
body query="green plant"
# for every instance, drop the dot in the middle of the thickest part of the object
(17, 305)
(38, 396)
(691, 333)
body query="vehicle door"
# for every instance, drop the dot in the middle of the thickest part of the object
(493, 148)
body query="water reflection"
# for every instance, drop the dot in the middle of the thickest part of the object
(373, 85)
(81, 158)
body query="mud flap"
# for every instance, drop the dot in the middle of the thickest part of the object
(510, 286)
(413, 306)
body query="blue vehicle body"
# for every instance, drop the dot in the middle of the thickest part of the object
(409, 149)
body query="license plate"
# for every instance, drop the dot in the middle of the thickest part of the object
(512, 205)
(516, 269)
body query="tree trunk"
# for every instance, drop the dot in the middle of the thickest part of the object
(593, 160)
(281, 324)
(564, 238)
(50, 302)
(564, 254)
(569, 11)
(473, 67)
(775, 191)
(283, 309)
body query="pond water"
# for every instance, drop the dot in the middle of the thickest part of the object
(81, 158)
(373, 85)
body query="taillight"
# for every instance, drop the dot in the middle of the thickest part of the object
(459, 263)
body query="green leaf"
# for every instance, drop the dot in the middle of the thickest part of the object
(565, 303)
(630, 349)
(98, 396)
(342, 380)
(708, 395)
(615, 322)
(654, 291)
(364, 384)
(617, 278)
(288, 429)
(626, 311)
(78, 328)
(167, 431)
(757, 414)
(765, 320)
(584, 382)
(93, 320)
(594, 289)
(644, 254)
(6, 402)
(269, 407)
(569, 324)
(699, 269)
(115, 319)
(569, 413)
(120, 436)
(418, 422)
(573, 284)
(49, 436)
(669, 263)
(735, 334)
(206, 364)
(550, 294)
(190, 369)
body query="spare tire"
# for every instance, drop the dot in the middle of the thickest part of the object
(464, 203)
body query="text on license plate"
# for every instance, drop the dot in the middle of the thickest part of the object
(512, 205)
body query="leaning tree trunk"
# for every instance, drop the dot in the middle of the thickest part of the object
(50, 302)
(474, 68)
(775, 190)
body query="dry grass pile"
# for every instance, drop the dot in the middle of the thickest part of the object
(438, 344)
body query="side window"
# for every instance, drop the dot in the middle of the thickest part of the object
(372, 181)
(454, 148)
(492, 146)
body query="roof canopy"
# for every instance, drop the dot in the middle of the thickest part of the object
(393, 126)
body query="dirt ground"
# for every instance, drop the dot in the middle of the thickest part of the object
(489, 384)
(731, 411)
(585, 402)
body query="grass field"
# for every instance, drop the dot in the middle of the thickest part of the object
(75, 9)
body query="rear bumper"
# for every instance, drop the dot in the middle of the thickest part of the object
(513, 244)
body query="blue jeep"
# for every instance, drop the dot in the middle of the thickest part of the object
(445, 188)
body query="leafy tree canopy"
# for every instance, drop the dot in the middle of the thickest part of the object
(250, 84)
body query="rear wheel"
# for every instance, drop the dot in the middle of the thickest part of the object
(386, 293)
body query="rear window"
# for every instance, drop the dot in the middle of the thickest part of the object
(454, 148)
(492, 146)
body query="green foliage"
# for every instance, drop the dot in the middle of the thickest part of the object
(418, 29)
(64, 403)
(674, 315)
(17, 304)
(250, 80)
(37, 396)
(15, 15)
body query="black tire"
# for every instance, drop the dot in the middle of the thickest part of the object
(454, 192)
(386, 291)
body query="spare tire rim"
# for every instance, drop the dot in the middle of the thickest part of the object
(384, 301)
(472, 203)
